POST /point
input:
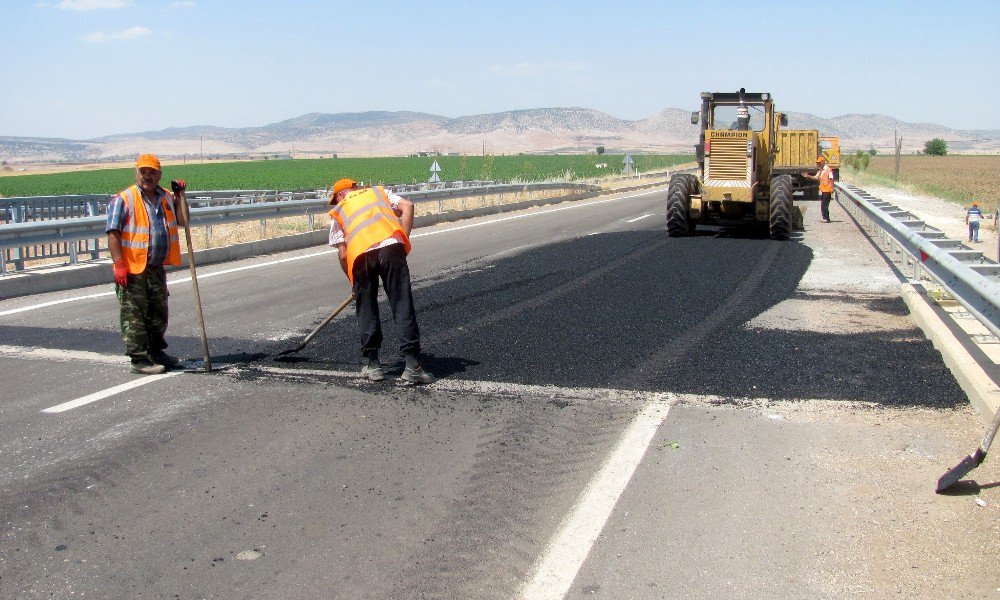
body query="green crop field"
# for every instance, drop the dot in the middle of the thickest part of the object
(311, 174)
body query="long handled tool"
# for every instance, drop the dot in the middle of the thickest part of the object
(178, 188)
(971, 461)
(325, 322)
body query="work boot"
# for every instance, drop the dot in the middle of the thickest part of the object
(416, 375)
(146, 367)
(373, 371)
(162, 358)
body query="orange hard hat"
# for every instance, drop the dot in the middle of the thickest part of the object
(147, 160)
(341, 185)
(820, 158)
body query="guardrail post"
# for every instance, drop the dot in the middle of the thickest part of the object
(263, 222)
(17, 254)
(95, 252)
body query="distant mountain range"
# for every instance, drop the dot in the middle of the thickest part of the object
(529, 131)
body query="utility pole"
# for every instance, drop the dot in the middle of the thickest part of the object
(898, 141)
(203, 149)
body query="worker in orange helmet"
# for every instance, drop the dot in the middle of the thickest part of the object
(824, 175)
(370, 226)
(142, 237)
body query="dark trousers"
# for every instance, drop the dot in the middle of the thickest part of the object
(387, 264)
(824, 205)
(143, 316)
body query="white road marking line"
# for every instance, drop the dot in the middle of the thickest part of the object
(170, 282)
(62, 355)
(108, 392)
(499, 388)
(638, 218)
(324, 252)
(555, 571)
(14, 311)
(530, 214)
(766, 406)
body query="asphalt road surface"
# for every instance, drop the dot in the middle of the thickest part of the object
(618, 415)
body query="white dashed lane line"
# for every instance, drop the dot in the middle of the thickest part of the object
(554, 572)
(131, 385)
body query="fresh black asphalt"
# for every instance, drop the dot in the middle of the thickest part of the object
(246, 483)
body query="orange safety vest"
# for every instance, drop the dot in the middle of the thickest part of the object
(825, 179)
(135, 233)
(367, 219)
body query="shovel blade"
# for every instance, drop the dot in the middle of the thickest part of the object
(960, 470)
(290, 350)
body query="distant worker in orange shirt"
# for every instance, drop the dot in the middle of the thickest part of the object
(370, 226)
(824, 175)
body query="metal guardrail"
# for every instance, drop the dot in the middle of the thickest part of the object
(925, 252)
(71, 237)
(22, 209)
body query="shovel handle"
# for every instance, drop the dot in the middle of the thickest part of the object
(194, 279)
(991, 432)
(327, 320)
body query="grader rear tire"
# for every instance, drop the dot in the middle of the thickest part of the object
(780, 222)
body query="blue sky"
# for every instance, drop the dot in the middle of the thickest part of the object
(86, 68)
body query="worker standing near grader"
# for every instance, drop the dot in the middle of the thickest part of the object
(370, 226)
(824, 174)
(142, 238)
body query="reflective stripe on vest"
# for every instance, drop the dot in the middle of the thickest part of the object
(367, 218)
(135, 233)
(826, 179)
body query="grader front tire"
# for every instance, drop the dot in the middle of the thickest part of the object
(679, 221)
(780, 222)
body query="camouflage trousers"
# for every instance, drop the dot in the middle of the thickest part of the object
(144, 313)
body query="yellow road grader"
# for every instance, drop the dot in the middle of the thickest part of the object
(736, 180)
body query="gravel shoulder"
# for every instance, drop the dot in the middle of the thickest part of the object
(942, 214)
(895, 541)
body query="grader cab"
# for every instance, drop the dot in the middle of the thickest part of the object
(736, 153)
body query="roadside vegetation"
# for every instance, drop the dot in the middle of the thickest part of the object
(955, 177)
(313, 174)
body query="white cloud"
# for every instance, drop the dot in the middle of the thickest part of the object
(533, 69)
(128, 34)
(183, 4)
(91, 4)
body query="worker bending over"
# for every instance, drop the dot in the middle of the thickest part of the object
(142, 237)
(370, 226)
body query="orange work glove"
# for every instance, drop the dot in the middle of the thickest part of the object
(121, 272)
